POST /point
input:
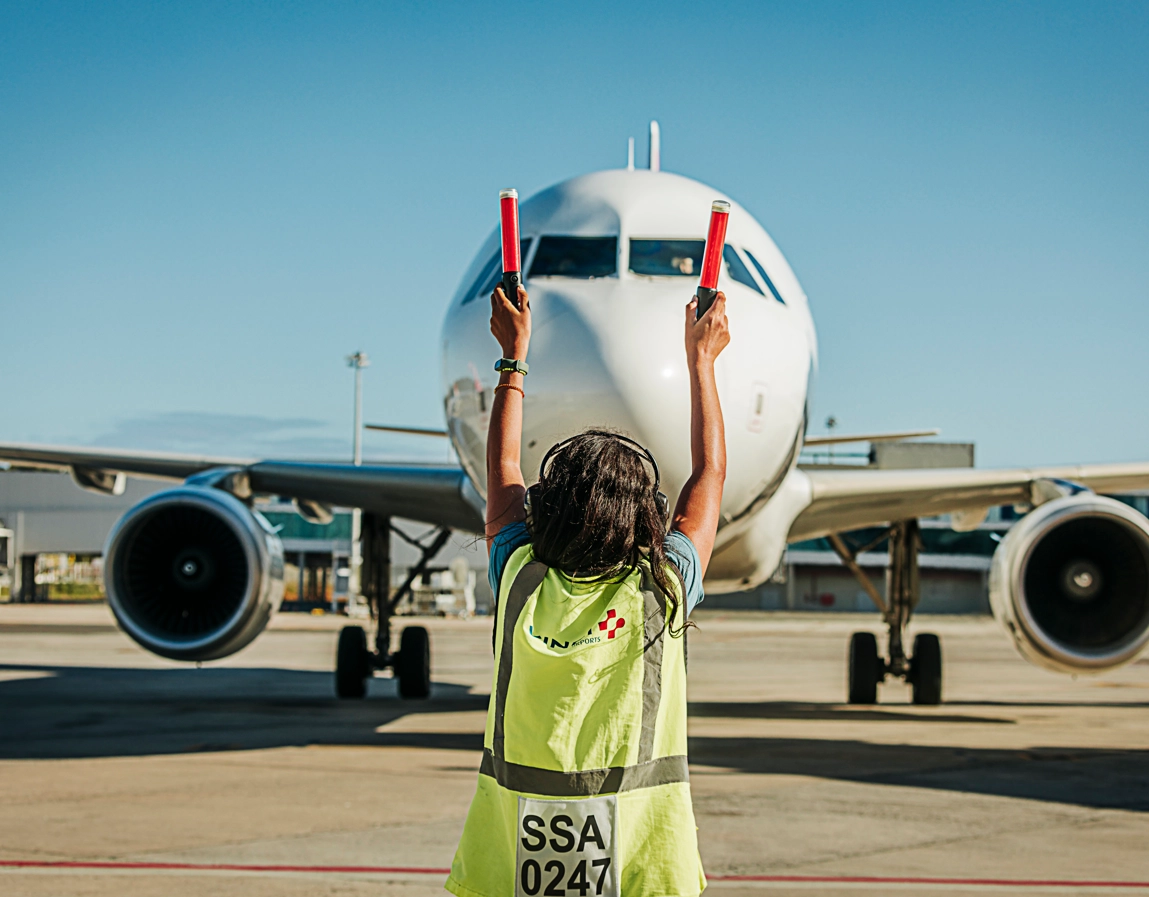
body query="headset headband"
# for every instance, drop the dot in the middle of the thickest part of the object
(530, 498)
(639, 449)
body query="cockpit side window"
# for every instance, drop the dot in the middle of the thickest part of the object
(765, 277)
(575, 257)
(492, 273)
(484, 275)
(667, 258)
(738, 270)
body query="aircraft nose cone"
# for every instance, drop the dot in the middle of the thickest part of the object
(616, 360)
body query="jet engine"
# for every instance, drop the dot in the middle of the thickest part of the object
(1070, 583)
(193, 573)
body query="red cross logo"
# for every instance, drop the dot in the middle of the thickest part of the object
(612, 624)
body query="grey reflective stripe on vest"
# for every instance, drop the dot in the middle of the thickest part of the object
(526, 583)
(654, 627)
(648, 772)
(587, 782)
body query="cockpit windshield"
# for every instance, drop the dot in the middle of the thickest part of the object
(576, 257)
(673, 258)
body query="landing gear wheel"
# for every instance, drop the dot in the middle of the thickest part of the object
(414, 663)
(352, 663)
(865, 669)
(926, 669)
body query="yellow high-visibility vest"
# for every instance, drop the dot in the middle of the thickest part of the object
(583, 788)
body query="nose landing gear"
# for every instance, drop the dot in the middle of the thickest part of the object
(355, 663)
(865, 667)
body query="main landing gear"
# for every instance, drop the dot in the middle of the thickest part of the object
(355, 662)
(866, 667)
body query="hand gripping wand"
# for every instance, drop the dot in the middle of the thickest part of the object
(712, 260)
(512, 264)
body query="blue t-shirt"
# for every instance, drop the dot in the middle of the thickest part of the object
(680, 551)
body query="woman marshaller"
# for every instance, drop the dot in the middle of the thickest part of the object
(583, 787)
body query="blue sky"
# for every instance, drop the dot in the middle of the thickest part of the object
(204, 207)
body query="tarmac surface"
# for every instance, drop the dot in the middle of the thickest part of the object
(124, 774)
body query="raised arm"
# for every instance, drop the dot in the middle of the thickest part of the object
(696, 514)
(505, 485)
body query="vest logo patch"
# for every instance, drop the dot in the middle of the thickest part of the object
(607, 628)
(612, 624)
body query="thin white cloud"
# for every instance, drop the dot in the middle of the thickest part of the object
(231, 434)
(258, 436)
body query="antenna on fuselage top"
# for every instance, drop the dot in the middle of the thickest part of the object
(630, 154)
(654, 159)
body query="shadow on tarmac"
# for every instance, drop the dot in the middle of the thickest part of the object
(71, 712)
(1087, 777)
(842, 713)
(86, 712)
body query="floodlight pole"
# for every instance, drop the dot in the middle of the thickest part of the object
(358, 361)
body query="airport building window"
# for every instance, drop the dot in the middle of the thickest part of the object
(667, 258)
(738, 270)
(492, 273)
(292, 526)
(765, 277)
(575, 257)
(1139, 503)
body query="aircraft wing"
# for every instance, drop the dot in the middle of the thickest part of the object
(436, 494)
(162, 465)
(850, 499)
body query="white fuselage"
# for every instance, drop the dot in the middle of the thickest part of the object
(608, 351)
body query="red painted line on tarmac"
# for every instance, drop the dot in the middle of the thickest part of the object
(219, 867)
(968, 882)
(425, 870)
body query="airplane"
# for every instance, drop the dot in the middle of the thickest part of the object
(194, 572)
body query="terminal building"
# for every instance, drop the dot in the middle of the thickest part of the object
(52, 535)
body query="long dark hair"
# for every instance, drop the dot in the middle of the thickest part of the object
(594, 513)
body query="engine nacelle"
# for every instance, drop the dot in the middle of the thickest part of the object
(1070, 583)
(193, 573)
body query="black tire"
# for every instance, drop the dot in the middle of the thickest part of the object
(865, 669)
(926, 669)
(414, 663)
(352, 663)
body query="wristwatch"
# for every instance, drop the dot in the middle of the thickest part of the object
(513, 365)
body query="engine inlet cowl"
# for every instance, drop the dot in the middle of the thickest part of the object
(193, 574)
(1070, 583)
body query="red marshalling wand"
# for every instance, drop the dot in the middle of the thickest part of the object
(512, 264)
(712, 261)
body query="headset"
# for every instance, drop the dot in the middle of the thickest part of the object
(660, 499)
